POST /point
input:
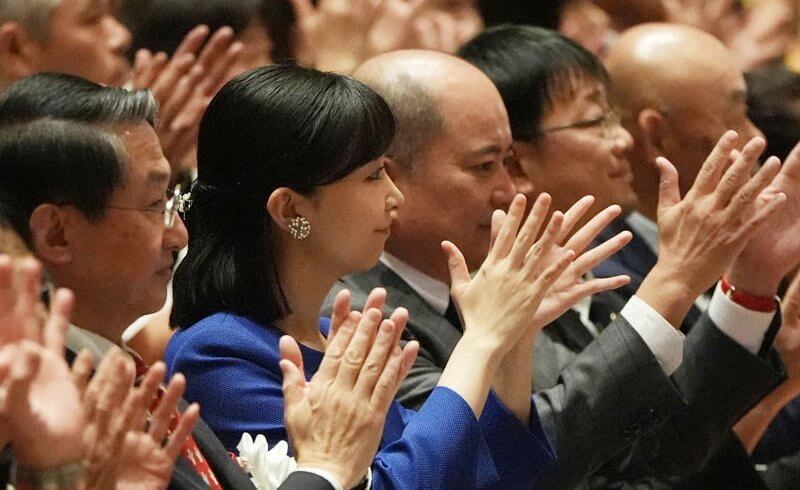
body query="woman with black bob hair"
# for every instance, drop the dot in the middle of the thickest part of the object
(291, 194)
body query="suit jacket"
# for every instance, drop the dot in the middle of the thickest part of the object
(228, 473)
(635, 259)
(610, 394)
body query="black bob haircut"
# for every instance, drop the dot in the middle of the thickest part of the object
(532, 67)
(275, 126)
(61, 96)
(57, 162)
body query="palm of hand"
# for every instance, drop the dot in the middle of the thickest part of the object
(51, 387)
(779, 238)
(142, 463)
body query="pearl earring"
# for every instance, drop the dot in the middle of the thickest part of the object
(299, 228)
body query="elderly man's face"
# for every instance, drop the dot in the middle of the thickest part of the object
(125, 258)
(84, 39)
(706, 105)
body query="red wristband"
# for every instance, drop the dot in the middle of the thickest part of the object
(764, 304)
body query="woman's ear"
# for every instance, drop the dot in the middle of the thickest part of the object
(284, 204)
(49, 234)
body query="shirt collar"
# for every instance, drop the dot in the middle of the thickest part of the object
(78, 339)
(434, 292)
(646, 228)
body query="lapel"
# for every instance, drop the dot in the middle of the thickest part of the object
(438, 336)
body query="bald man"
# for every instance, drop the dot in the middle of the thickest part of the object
(448, 160)
(679, 90)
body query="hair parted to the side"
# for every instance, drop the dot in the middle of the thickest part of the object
(532, 67)
(68, 97)
(33, 15)
(276, 126)
(57, 162)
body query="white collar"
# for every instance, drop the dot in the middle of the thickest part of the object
(646, 228)
(78, 339)
(434, 292)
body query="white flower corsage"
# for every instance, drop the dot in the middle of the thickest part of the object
(268, 468)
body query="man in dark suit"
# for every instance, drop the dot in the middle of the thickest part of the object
(632, 379)
(88, 196)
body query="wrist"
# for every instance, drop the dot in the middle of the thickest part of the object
(764, 304)
(344, 475)
(756, 281)
(668, 294)
(65, 476)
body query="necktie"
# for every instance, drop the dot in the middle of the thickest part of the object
(451, 315)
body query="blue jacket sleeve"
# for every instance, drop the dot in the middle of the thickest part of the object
(522, 455)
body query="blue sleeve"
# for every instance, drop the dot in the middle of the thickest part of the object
(522, 455)
(442, 446)
(236, 393)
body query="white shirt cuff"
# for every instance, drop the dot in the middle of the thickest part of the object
(746, 327)
(663, 340)
(327, 475)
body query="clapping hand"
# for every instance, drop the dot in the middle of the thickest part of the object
(702, 233)
(337, 35)
(40, 412)
(499, 303)
(570, 287)
(125, 449)
(335, 420)
(774, 251)
(185, 84)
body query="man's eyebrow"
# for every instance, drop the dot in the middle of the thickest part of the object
(492, 150)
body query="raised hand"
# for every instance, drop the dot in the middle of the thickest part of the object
(775, 250)
(718, 17)
(766, 30)
(20, 313)
(701, 234)
(499, 303)
(125, 450)
(185, 84)
(570, 288)
(40, 410)
(337, 35)
(335, 421)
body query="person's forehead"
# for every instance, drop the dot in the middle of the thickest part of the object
(146, 162)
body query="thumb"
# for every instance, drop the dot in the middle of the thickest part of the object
(668, 192)
(459, 273)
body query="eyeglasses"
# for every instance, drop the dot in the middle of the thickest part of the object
(610, 121)
(177, 203)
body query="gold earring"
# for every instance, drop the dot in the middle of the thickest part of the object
(299, 228)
